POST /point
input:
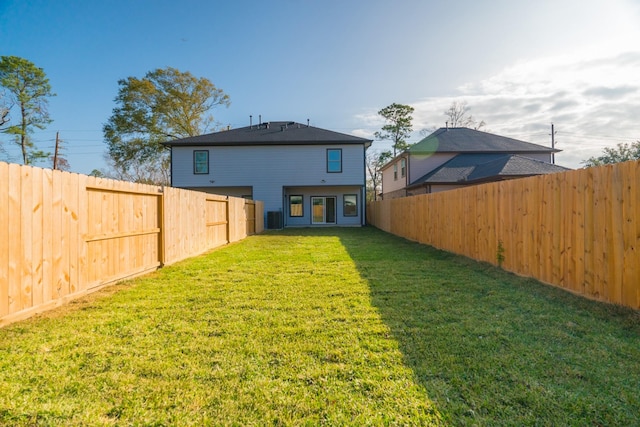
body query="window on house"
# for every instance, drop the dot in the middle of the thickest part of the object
(350, 205)
(403, 167)
(334, 160)
(201, 162)
(395, 171)
(295, 206)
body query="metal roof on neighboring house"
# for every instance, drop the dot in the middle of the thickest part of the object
(465, 140)
(468, 168)
(271, 133)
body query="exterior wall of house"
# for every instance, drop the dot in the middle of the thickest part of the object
(417, 167)
(543, 157)
(434, 188)
(395, 194)
(391, 183)
(268, 170)
(422, 164)
(307, 193)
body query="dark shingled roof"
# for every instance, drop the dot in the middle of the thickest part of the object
(272, 133)
(465, 140)
(469, 168)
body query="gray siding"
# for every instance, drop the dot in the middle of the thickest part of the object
(309, 192)
(271, 169)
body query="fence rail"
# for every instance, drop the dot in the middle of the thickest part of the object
(63, 235)
(579, 230)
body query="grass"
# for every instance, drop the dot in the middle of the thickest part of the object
(324, 327)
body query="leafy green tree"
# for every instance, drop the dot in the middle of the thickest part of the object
(398, 126)
(28, 90)
(622, 153)
(165, 104)
(375, 160)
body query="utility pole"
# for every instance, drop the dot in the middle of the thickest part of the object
(55, 153)
(553, 145)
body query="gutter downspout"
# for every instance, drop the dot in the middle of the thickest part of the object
(171, 165)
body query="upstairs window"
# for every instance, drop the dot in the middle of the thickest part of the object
(334, 160)
(200, 162)
(395, 171)
(403, 167)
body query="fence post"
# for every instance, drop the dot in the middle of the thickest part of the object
(162, 227)
(228, 220)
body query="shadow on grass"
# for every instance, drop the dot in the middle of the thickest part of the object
(493, 348)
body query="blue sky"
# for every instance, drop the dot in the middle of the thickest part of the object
(519, 65)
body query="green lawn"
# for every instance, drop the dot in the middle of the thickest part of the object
(324, 327)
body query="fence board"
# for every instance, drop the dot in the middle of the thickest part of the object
(589, 234)
(579, 230)
(47, 235)
(580, 233)
(26, 236)
(15, 244)
(4, 241)
(616, 239)
(600, 199)
(631, 233)
(37, 237)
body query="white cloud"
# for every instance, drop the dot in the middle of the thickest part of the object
(587, 85)
(363, 133)
(593, 103)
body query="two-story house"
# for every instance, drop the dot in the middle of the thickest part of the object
(451, 158)
(305, 175)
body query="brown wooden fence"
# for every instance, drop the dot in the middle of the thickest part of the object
(63, 235)
(579, 230)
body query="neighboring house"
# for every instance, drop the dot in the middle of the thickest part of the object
(304, 175)
(456, 157)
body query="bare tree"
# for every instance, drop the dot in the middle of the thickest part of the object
(375, 160)
(458, 115)
(4, 116)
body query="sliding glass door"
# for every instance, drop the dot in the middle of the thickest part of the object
(323, 210)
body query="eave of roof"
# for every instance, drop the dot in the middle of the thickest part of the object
(271, 133)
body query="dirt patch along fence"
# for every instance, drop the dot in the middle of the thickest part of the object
(579, 230)
(63, 235)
